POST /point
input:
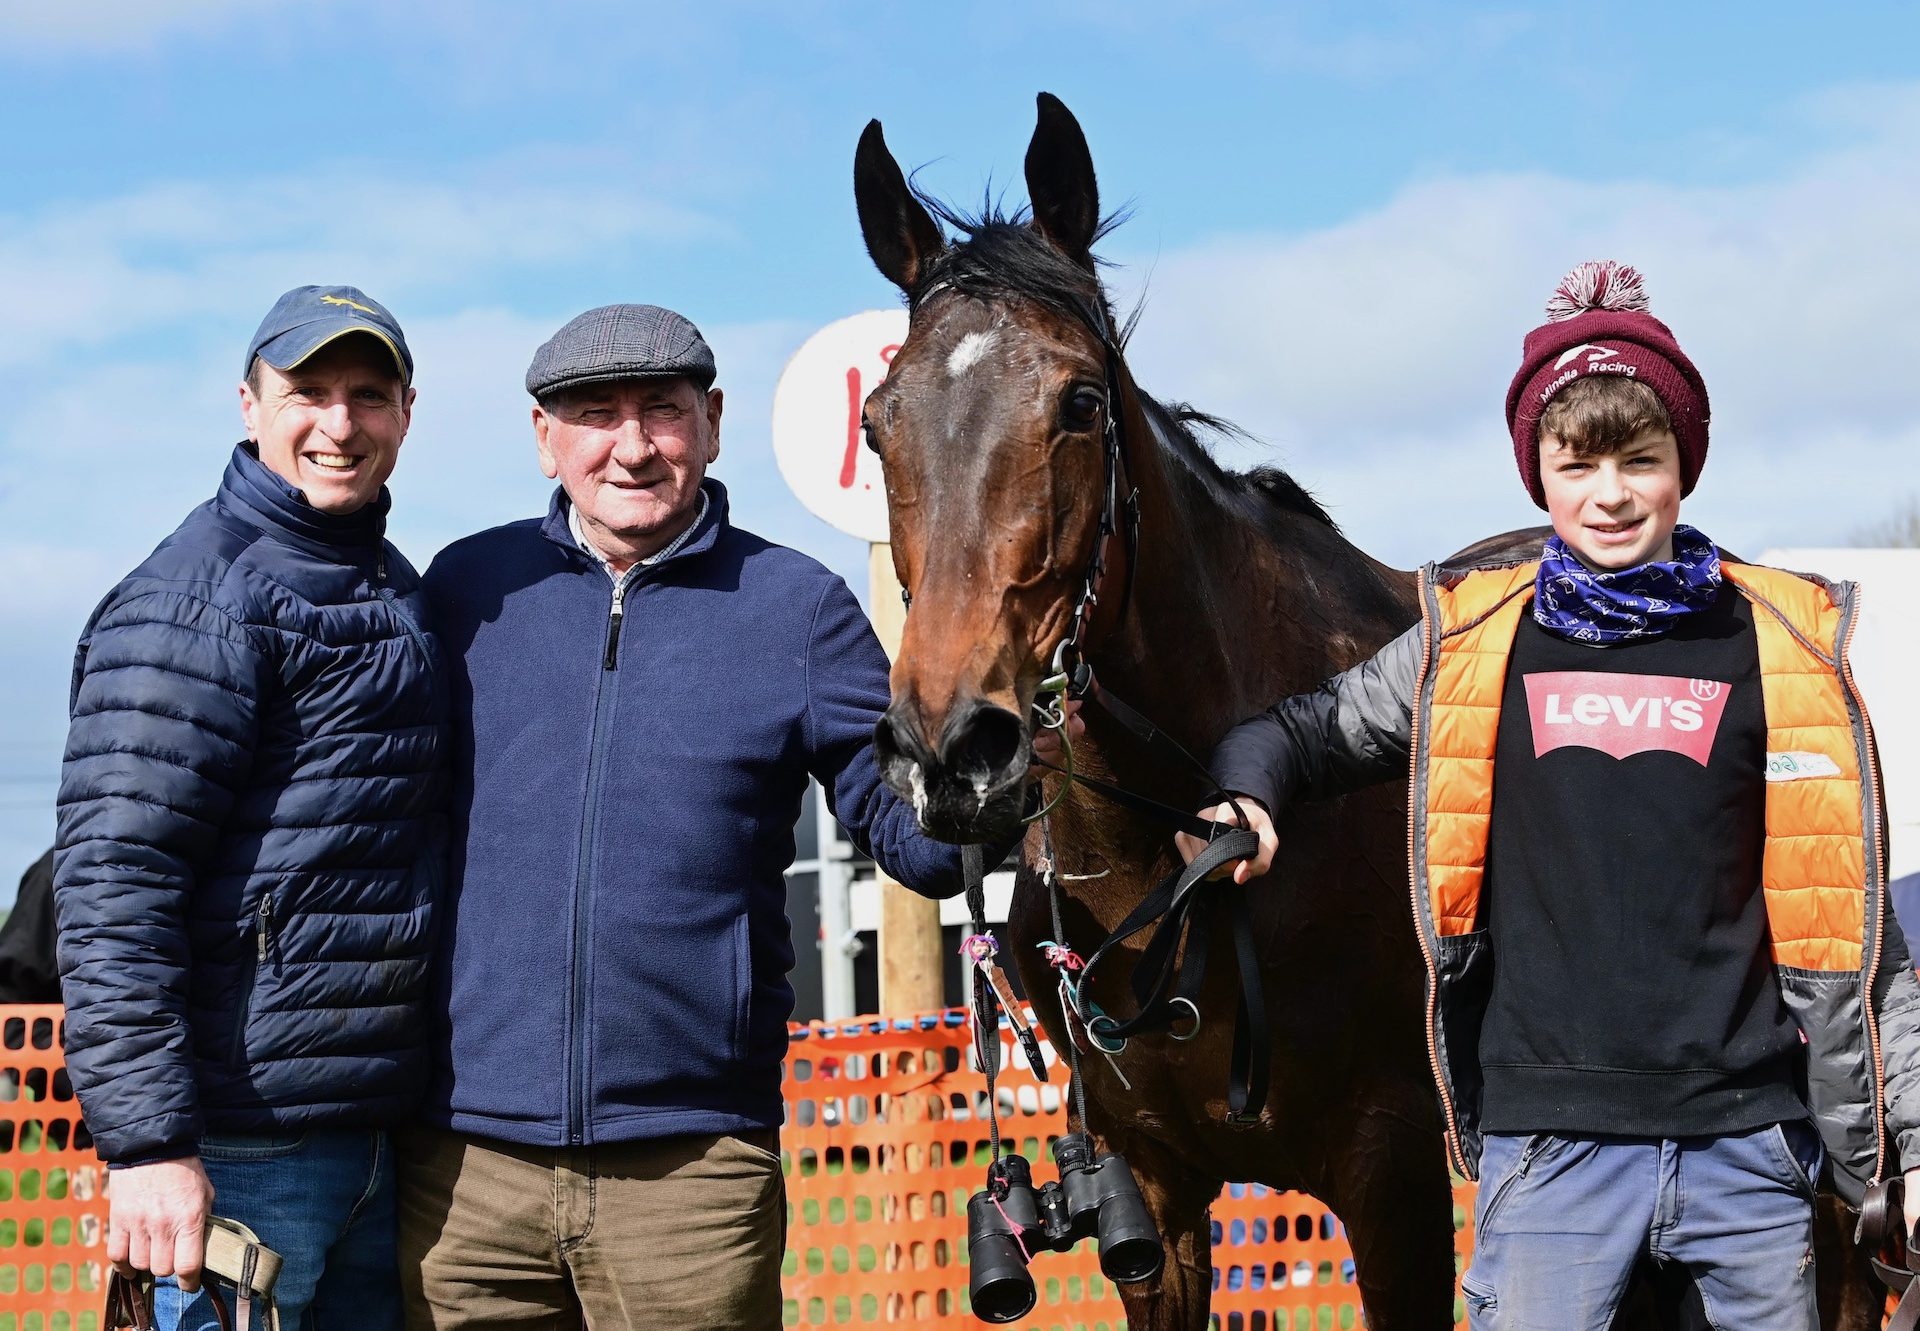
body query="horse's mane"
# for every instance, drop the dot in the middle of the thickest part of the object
(1182, 424)
(1002, 255)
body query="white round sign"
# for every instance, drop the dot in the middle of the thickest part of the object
(816, 420)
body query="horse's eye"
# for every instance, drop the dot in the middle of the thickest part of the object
(1081, 409)
(866, 433)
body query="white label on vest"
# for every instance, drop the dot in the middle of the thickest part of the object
(1800, 766)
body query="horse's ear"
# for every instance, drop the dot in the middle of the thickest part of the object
(1066, 199)
(900, 234)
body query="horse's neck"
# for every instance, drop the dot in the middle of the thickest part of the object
(1224, 620)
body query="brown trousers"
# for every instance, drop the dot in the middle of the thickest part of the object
(639, 1236)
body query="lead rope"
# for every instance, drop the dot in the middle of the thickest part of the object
(986, 1022)
(1062, 958)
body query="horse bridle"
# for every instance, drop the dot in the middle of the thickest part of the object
(1166, 980)
(1117, 518)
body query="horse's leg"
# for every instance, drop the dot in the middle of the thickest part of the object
(1389, 1185)
(1178, 1199)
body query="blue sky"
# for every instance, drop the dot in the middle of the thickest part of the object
(1345, 217)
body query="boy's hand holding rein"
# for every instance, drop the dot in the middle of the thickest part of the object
(1048, 751)
(1242, 811)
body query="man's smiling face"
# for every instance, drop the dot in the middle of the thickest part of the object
(631, 455)
(332, 426)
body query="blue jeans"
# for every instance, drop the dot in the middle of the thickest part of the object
(1560, 1222)
(325, 1202)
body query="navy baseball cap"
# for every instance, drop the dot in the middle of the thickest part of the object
(308, 318)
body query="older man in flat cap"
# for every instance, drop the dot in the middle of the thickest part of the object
(643, 689)
(251, 830)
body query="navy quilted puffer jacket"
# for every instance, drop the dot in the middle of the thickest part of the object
(250, 829)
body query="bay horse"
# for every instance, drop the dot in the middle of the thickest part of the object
(1242, 591)
(989, 426)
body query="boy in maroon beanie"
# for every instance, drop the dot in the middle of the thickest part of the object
(1649, 863)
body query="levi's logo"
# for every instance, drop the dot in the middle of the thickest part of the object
(1623, 715)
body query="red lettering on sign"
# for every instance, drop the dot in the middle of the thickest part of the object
(1622, 715)
(855, 398)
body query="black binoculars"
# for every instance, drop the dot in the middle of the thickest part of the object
(1010, 1220)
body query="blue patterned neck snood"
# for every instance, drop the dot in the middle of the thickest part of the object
(1573, 602)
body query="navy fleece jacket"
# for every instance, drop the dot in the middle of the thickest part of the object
(616, 951)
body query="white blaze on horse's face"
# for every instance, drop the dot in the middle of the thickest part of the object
(968, 351)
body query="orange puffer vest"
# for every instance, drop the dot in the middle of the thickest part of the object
(1823, 867)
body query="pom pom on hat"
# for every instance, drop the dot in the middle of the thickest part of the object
(1598, 284)
(1600, 308)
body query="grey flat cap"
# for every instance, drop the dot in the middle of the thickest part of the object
(621, 342)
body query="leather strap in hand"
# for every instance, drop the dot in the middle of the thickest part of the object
(1890, 1249)
(130, 1305)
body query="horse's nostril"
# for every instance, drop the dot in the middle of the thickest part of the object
(986, 743)
(894, 740)
(885, 747)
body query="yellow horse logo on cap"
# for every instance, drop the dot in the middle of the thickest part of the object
(353, 304)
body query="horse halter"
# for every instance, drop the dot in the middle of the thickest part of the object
(1117, 518)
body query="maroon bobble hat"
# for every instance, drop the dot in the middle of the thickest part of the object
(1597, 323)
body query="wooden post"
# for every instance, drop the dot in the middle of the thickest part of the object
(911, 964)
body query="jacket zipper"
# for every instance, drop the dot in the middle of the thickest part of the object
(1417, 813)
(263, 943)
(611, 661)
(1876, 905)
(406, 620)
(589, 824)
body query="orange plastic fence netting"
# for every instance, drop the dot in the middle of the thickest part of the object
(53, 1208)
(886, 1138)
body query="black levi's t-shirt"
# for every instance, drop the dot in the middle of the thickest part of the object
(1633, 989)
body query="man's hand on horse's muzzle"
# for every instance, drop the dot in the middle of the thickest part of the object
(1048, 751)
(1238, 812)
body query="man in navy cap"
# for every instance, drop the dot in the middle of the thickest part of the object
(250, 839)
(641, 691)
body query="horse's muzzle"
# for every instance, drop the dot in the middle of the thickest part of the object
(967, 789)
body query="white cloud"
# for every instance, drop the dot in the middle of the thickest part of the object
(107, 25)
(1375, 355)
(47, 581)
(197, 255)
(1296, 39)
